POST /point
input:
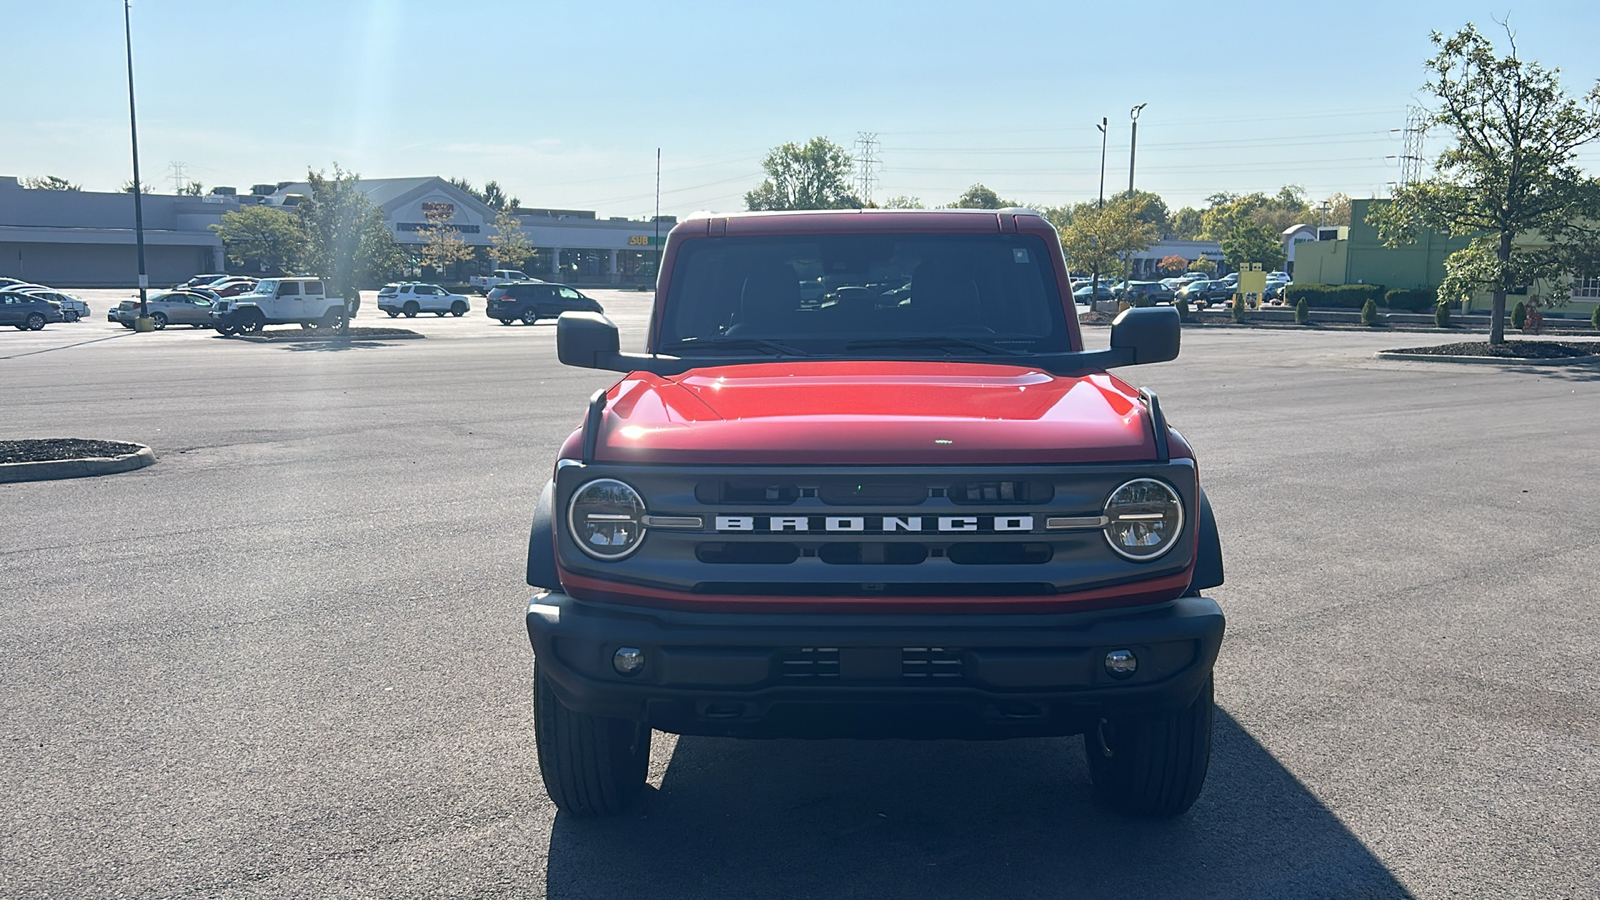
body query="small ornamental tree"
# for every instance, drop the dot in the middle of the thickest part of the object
(1441, 314)
(1369, 313)
(1519, 315)
(442, 243)
(1302, 312)
(1173, 265)
(1238, 307)
(1594, 318)
(508, 245)
(1203, 265)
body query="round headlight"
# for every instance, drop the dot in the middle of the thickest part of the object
(606, 518)
(1144, 519)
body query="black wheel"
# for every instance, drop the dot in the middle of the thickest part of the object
(332, 321)
(252, 323)
(35, 321)
(458, 309)
(159, 319)
(70, 315)
(590, 765)
(1152, 766)
(392, 313)
(530, 317)
(224, 330)
(411, 309)
(504, 321)
(124, 324)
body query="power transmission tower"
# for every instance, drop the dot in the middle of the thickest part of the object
(1411, 155)
(177, 176)
(866, 161)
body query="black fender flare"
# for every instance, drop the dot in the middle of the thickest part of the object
(1208, 555)
(542, 542)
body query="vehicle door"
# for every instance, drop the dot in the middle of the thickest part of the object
(571, 300)
(313, 300)
(197, 310)
(11, 312)
(287, 302)
(428, 297)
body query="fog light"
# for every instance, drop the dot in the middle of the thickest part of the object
(1121, 663)
(630, 660)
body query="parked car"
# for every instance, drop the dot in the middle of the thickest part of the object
(71, 307)
(485, 283)
(531, 301)
(282, 301)
(412, 297)
(231, 287)
(1196, 293)
(201, 280)
(1087, 294)
(190, 307)
(6, 281)
(1146, 293)
(26, 312)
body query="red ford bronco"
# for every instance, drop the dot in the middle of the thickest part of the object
(865, 481)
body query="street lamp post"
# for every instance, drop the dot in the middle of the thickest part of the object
(1133, 149)
(138, 199)
(1094, 292)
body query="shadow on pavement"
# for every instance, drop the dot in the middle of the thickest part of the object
(954, 819)
(332, 344)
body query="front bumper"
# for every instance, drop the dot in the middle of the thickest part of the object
(837, 675)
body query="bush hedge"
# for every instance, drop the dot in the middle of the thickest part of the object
(1594, 318)
(1411, 300)
(1369, 313)
(1519, 315)
(1334, 296)
(1441, 314)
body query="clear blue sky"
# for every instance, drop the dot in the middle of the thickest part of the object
(565, 103)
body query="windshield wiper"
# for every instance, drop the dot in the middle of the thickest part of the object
(932, 342)
(739, 343)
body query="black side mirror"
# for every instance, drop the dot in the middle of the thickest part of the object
(1148, 334)
(587, 340)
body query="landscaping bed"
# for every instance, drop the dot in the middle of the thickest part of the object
(302, 334)
(1508, 350)
(53, 449)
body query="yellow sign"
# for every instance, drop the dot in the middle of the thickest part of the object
(638, 240)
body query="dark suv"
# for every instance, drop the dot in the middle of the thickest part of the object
(531, 301)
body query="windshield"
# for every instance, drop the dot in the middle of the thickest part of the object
(847, 294)
(267, 286)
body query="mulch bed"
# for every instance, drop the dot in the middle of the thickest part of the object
(1509, 349)
(52, 449)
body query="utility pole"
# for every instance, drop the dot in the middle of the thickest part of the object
(866, 159)
(1133, 149)
(656, 242)
(1100, 205)
(138, 200)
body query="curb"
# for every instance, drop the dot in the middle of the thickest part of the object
(1501, 360)
(313, 336)
(55, 469)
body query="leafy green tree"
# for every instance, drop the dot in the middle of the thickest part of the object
(903, 202)
(980, 197)
(442, 243)
(1151, 208)
(492, 194)
(127, 187)
(1185, 224)
(509, 247)
(1098, 240)
(815, 175)
(1512, 173)
(347, 243)
(1274, 213)
(50, 183)
(265, 236)
(1248, 243)
(1203, 265)
(192, 189)
(1338, 209)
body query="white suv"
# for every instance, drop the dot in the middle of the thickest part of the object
(413, 297)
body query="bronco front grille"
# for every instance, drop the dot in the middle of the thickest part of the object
(914, 665)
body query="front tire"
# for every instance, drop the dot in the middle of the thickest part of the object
(392, 313)
(35, 322)
(1152, 765)
(591, 765)
(458, 309)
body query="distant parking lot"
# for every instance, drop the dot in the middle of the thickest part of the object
(288, 659)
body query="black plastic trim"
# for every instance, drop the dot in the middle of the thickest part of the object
(591, 425)
(1158, 425)
(542, 570)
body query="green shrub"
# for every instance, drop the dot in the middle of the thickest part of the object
(1411, 300)
(1333, 296)
(1441, 314)
(1369, 312)
(1302, 312)
(1183, 308)
(1519, 315)
(1594, 318)
(1238, 307)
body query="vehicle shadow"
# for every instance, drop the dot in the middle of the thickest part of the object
(955, 819)
(332, 345)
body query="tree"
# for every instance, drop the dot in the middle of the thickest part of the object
(492, 195)
(1098, 240)
(192, 189)
(1512, 173)
(509, 247)
(262, 236)
(1252, 243)
(50, 183)
(903, 202)
(1151, 208)
(1274, 213)
(1173, 265)
(1185, 224)
(1338, 209)
(442, 243)
(980, 197)
(1203, 265)
(127, 187)
(811, 176)
(347, 243)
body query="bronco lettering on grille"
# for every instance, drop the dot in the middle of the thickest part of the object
(874, 524)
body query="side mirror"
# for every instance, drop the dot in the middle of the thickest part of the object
(587, 340)
(1148, 334)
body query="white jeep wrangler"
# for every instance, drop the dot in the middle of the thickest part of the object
(281, 301)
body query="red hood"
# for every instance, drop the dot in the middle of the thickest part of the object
(873, 413)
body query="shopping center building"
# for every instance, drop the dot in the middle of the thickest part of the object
(86, 238)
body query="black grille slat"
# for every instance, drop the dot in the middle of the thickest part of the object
(809, 663)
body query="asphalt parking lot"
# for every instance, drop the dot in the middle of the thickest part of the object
(289, 660)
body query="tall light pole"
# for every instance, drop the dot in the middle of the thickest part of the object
(138, 198)
(1105, 123)
(1133, 149)
(657, 240)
